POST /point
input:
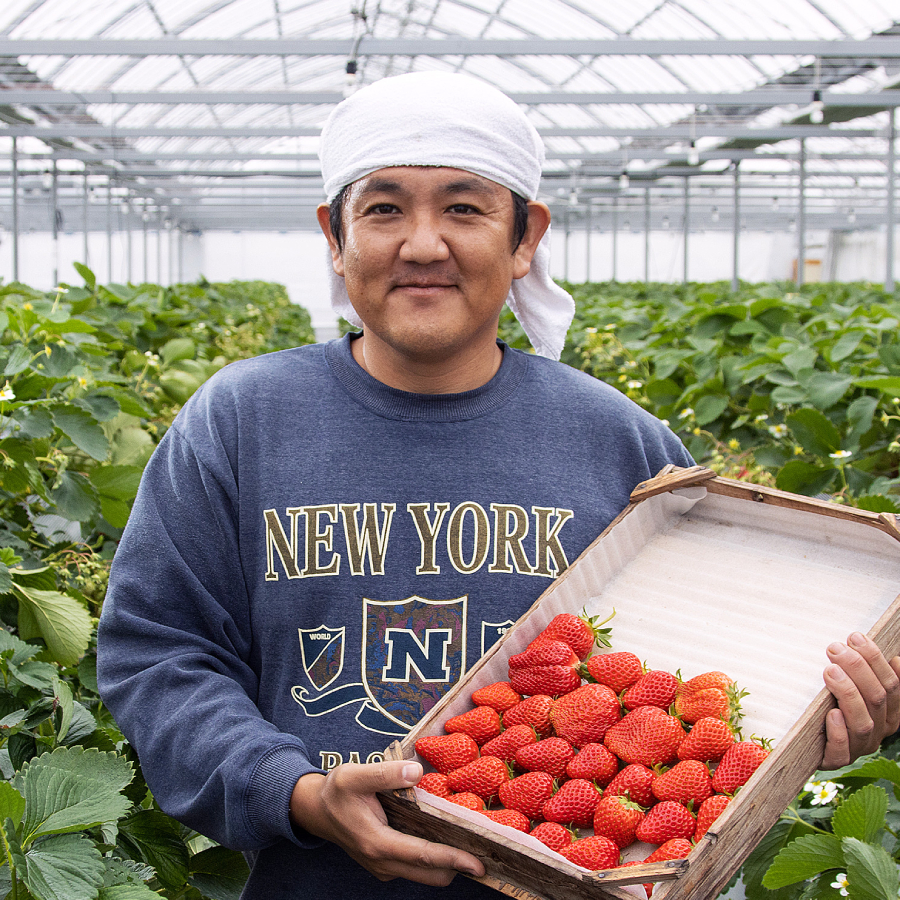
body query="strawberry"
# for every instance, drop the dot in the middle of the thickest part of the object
(544, 652)
(447, 752)
(573, 804)
(634, 782)
(740, 761)
(595, 852)
(509, 817)
(581, 633)
(709, 811)
(551, 755)
(554, 835)
(646, 735)
(655, 688)
(707, 740)
(618, 670)
(468, 800)
(712, 694)
(675, 848)
(482, 776)
(546, 666)
(617, 818)
(687, 781)
(666, 820)
(533, 711)
(585, 715)
(595, 763)
(498, 695)
(527, 793)
(706, 680)
(435, 783)
(481, 723)
(507, 742)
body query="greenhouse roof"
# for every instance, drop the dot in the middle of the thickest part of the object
(206, 113)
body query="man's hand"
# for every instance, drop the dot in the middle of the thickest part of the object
(867, 689)
(342, 807)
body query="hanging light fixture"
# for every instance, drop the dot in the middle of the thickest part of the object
(817, 111)
(624, 181)
(693, 157)
(715, 214)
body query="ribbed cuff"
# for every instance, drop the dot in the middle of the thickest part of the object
(268, 801)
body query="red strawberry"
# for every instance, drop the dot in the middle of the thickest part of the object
(595, 763)
(447, 752)
(707, 740)
(435, 783)
(585, 715)
(551, 755)
(675, 848)
(498, 695)
(634, 782)
(552, 680)
(527, 793)
(482, 723)
(482, 776)
(554, 835)
(507, 742)
(581, 633)
(740, 761)
(687, 781)
(509, 817)
(533, 711)
(706, 680)
(544, 652)
(573, 804)
(468, 800)
(595, 852)
(709, 811)
(656, 688)
(617, 818)
(666, 820)
(647, 735)
(618, 670)
(708, 702)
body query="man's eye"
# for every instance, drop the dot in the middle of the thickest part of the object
(463, 209)
(382, 209)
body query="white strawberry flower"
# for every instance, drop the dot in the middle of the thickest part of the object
(823, 792)
(7, 393)
(842, 884)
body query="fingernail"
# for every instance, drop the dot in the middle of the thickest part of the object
(836, 648)
(836, 673)
(411, 772)
(857, 639)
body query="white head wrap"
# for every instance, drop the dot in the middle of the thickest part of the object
(443, 119)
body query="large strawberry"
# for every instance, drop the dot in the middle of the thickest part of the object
(554, 835)
(584, 715)
(468, 800)
(740, 761)
(581, 633)
(510, 817)
(498, 695)
(674, 848)
(481, 723)
(447, 752)
(546, 666)
(509, 741)
(619, 670)
(595, 762)
(712, 694)
(617, 818)
(435, 783)
(707, 740)
(573, 804)
(533, 711)
(646, 735)
(709, 811)
(666, 820)
(527, 793)
(654, 688)
(482, 776)
(635, 782)
(544, 651)
(551, 755)
(686, 782)
(594, 852)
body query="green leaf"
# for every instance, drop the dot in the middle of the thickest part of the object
(152, 836)
(74, 497)
(860, 414)
(845, 345)
(82, 429)
(5, 579)
(18, 360)
(65, 708)
(887, 384)
(709, 407)
(814, 432)
(34, 421)
(861, 815)
(877, 503)
(117, 482)
(12, 803)
(63, 867)
(790, 395)
(219, 873)
(90, 279)
(177, 349)
(826, 388)
(759, 860)
(877, 767)
(798, 360)
(871, 871)
(127, 892)
(82, 725)
(800, 477)
(63, 623)
(803, 858)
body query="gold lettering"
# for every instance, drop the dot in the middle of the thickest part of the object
(510, 528)
(428, 532)
(285, 547)
(316, 539)
(367, 540)
(329, 759)
(480, 537)
(547, 539)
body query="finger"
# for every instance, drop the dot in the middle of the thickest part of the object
(857, 720)
(837, 741)
(887, 678)
(388, 775)
(859, 679)
(425, 861)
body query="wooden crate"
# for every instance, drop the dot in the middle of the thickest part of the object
(704, 573)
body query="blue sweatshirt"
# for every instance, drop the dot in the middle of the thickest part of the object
(315, 558)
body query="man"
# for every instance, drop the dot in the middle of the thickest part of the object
(328, 537)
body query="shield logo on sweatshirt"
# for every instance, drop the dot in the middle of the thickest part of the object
(322, 652)
(414, 652)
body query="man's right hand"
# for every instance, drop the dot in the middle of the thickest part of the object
(342, 807)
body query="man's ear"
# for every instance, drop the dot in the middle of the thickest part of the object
(323, 214)
(538, 223)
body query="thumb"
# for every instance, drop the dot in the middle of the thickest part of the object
(388, 775)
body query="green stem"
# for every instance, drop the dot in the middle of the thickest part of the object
(792, 814)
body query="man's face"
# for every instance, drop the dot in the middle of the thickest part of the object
(428, 257)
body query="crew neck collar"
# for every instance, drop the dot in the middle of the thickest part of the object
(392, 403)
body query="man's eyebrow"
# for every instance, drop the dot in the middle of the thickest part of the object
(391, 186)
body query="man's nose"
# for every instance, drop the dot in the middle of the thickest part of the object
(424, 241)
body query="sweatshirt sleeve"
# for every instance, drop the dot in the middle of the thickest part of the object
(173, 650)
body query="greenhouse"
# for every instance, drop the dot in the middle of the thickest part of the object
(346, 553)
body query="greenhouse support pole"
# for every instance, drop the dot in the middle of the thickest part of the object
(109, 252)
(54, 202)
(615, 235)
(687, 224)
(736, 237)
(891, 210)
(566, 248)
(588, 224)
(15, 210)
(85, 199)
(646, 235)
(127, 211)
(144, 218)
(180, 239)
(801, 218)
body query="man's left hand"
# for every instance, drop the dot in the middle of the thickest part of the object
(867, 689)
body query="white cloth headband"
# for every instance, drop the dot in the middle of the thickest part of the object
(443, 119)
